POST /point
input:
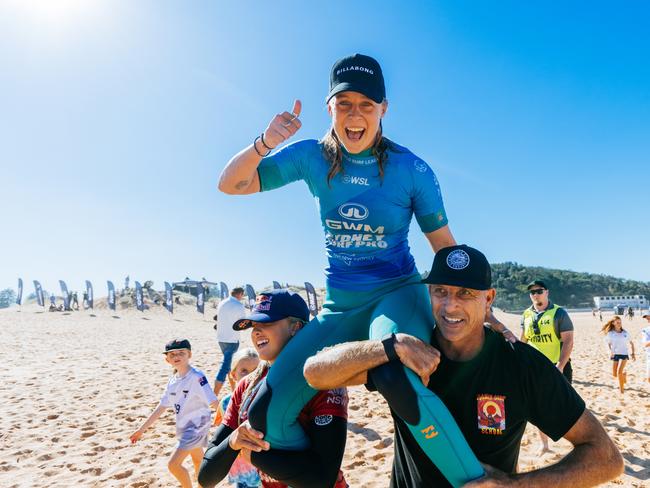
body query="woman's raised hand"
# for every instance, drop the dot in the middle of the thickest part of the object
(282, 127)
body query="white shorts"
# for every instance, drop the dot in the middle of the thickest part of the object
(194, 434)
(647, 366)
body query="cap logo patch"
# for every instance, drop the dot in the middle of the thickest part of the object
(263, 303)
(458, 259)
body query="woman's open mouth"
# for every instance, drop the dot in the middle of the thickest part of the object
(354, 133)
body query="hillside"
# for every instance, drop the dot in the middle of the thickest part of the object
(567, 288)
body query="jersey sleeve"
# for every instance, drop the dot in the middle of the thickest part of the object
(426, 198)
(564, 323)
(205, 389)
(231, 417)
(325, 403)
(553, 405)
(289, 164)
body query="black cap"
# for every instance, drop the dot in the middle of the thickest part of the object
(460, 266)
(177, 344)
(273, 306)
(358, 73)
(539, 283)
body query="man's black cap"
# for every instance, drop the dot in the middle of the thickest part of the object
(177, 344)
(539, 283)
(460, 266)
(358, 73)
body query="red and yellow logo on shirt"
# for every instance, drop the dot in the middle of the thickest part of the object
(491, 410)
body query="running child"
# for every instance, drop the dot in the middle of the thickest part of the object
(617, 340)
(277, 317)
(191, 397)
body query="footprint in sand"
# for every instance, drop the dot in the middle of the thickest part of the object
(124, 474)
(93, 471)
(53, 416)
(44, 457)
(90, 433)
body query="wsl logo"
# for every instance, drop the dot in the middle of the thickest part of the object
(353, 211)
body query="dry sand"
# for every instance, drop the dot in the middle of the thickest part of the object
(79, 384)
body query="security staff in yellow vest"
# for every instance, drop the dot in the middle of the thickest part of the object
(548, 328)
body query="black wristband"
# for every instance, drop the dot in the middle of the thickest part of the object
(264, 142)
(389, 347)
(257, 150)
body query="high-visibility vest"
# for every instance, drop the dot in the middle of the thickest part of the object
(546, 342)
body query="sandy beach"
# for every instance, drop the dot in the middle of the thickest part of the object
(80, 383)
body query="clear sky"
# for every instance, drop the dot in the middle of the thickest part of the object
(117, 116)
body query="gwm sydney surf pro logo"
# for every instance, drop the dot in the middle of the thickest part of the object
(353, 211)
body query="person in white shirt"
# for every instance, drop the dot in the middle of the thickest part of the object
(645, 340)
(617, 340)
(188, 393)
(229, 311)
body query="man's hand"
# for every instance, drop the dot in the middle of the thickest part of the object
(560, 367)
(245, 437)
(422, 358)
(283, 126)
(493, 478)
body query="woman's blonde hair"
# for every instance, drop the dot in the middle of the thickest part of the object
(240, 355)
(609, 325)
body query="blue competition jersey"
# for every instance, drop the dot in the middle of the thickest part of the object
(366, 220)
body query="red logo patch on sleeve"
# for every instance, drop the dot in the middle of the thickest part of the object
(491, 413)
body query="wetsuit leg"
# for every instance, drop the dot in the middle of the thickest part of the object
(408, 310)
(285, 391)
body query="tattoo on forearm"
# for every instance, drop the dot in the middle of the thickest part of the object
(242, 184)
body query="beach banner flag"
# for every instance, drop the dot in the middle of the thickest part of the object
(66, 295)
(89, 292)
(276, 285)
(250, 294)
(200, 296)
(111, 295)
(169, 298)
(39, 293)
(312, 302)
(223, 292)
(19, 295)
(139, 300)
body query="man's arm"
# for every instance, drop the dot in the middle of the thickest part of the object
(348, 364)
(593, 460)
(567, 346)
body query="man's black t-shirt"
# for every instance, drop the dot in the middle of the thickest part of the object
(491, 397)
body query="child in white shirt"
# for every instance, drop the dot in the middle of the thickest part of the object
(190, 395)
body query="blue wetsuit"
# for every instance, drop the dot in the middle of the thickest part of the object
(373, 289)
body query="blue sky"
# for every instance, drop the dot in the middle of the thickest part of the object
(117, 117)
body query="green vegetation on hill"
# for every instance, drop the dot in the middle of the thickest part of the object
(567, 288)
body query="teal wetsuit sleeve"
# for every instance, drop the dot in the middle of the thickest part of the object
(289, 164)
(426, 198)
